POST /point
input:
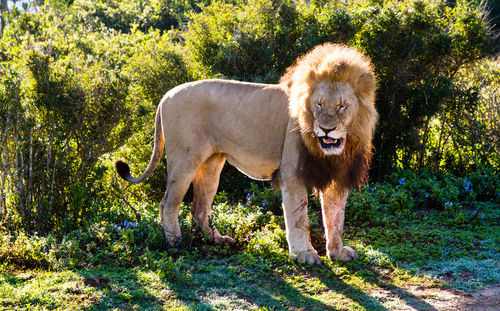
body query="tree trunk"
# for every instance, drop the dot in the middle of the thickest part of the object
(3, 8)
(3, 170)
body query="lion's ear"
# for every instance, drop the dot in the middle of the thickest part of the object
(366, 84)
(366, 81)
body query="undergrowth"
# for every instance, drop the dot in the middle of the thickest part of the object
(408, 229)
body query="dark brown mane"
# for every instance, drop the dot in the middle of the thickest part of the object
(349, 170)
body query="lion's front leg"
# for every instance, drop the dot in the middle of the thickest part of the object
(333, 205)
(297, 223)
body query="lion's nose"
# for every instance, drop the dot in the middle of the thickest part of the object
(327, 130)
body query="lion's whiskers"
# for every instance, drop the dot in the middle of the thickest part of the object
(294, 129)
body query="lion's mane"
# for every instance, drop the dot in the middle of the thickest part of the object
(335, 63)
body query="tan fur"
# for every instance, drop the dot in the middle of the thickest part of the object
(271, 131)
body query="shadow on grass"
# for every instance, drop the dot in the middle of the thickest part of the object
(409, 298)
(377, 279)
(217, 284)
(220, 284)
(354, 293)
(230, 284)
(118, 288)
(233, 283)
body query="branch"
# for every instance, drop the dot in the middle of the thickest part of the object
(118, 193)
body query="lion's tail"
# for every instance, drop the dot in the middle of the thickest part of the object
(124, 170)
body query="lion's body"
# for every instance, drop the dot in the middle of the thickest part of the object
(314, 129)
(244, 121)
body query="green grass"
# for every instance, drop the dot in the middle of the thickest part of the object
(236, 282)
(106, 266)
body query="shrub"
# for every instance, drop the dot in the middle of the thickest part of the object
(25, 252)
(65, 103)
(269, 242)
(416, 47)
(250, 42)
(268, 198)
(124, 15)
(78, 118)
(240, 221)
(464, 136)
(405, 192)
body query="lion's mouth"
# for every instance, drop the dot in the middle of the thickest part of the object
(331, 145)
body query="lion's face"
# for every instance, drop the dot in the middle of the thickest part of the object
(332, 97)
(333, 106)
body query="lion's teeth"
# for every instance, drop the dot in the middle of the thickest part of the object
(328, 140)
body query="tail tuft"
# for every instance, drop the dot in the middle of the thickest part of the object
(122, 169)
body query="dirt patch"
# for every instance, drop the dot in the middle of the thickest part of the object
(438, 299)
(488, 299)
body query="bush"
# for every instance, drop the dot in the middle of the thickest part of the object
(270, 242)
(405, 192)
(64, 105)
(415, 46)
(123, 16)
(240, 221)
(465, 134)
(78, 118)
(25, 252)
(250, 42)
(268, 198)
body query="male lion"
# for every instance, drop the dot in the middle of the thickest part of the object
(314, 129)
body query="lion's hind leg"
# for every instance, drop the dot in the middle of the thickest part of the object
(205, 186)
(181, 172)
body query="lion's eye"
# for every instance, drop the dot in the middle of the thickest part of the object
(342, 106)
(319, 106)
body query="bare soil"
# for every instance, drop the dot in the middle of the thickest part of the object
(416, 298)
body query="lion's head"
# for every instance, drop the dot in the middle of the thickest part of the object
(332, 96)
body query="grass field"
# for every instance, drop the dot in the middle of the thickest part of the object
(412, 263)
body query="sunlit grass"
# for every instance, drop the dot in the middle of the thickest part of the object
(236, 282)
(126, 266)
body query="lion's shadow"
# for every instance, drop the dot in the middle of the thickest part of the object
(242, 286)
(233, 284)
(379, 281)
(250, 286)
(239, 283)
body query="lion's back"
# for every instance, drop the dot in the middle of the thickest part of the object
(245, 121)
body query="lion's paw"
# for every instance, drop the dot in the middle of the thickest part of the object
(223, 240)
(310, 257)
(345, 254)
(172, 240)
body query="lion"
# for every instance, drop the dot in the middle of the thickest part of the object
(312, 130)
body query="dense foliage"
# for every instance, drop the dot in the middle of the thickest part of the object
(79, 84)
(80, 81)
(416, 47)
